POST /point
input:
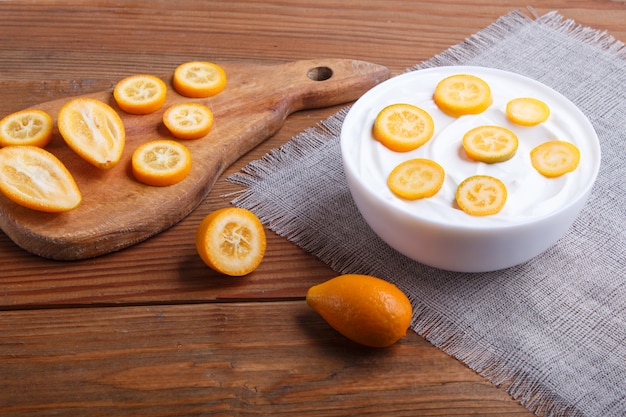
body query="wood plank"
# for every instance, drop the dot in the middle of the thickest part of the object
(221, 359)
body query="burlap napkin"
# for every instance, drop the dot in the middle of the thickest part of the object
(553, 330)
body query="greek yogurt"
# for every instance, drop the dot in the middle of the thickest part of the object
(530, 194)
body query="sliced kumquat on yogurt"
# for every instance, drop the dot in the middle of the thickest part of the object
(462, 94)
(555, 158)
(481, 195)
(527, 111)
(403, 127)
(490, 144)
(416, 178)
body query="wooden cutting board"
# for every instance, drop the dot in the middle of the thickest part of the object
(117, 211)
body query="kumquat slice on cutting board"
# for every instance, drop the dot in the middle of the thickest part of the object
(555, 158)
(403, 127)
(527, 111)
(188, 120)
(93, 130)
(481, 195)
(32, 177)
(462, 94)
(161, 162)
(416, 178)
(26, 127)
(199, 79)
(490, 144)
(231, 241)
(140, 94)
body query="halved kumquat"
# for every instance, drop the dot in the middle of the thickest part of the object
(188, 120)
(490, 144)
(462, 94)
(199, 79)
(140, 94)
(231, 241)
(403, 127)
(555, 158)
(416, 178)
(481, 195)
(26, 127)
(33, 177)
(161, 162)
(94, 130)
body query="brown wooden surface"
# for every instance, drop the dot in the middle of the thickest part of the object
(151, 331)
(253, 106)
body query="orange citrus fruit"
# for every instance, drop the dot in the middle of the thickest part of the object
(490, 144)
(199, 79)
(34, 178)
(161, 162)
(555, 158)
(416, 178)
(403, 127)
(26, 127)
(365, 309)
(481, 195)
(231, 241)
(94, 130)
(188, 120)
(462, 94)
(140, 94)
(527, 111)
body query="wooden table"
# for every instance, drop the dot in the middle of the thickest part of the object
(151, 330)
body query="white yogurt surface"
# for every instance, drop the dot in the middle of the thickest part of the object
(530, 194)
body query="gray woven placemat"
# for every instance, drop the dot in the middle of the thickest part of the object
(553, 330)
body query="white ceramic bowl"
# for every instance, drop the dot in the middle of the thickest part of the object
(434, 231)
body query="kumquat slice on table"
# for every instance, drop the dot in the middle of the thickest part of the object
(161, 162)
(26, 127)
(199, 79)
(33, 177)
(140, 94)
(555, 158)
(462, 94)
(527, 111)
(403, 127)
(93, 130)
(188, 120)
(416, 178)
(481, 195)
(490, 144)
(231, 241)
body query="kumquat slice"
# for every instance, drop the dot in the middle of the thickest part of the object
(490, 144)
(555, 158)
(188, 120)
(527, 111)
(94, 130)
(33, 177)
(231, 241)
(26, 127)
(140, 94)
(403, 127)
(199, 79)
(462, 94)
(416, 178)
(481, 195)
(161, 162)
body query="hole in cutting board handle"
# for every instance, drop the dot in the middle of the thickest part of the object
(320, 73)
